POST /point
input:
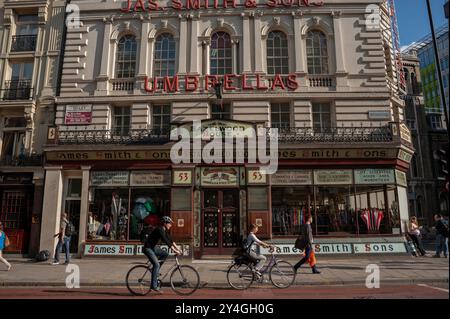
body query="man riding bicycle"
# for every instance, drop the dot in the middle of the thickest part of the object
(154, 254)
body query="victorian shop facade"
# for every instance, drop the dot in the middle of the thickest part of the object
(132, 72)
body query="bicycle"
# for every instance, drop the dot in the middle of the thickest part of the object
(184, 279)
(242, 273)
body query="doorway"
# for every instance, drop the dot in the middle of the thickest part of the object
(220, 221)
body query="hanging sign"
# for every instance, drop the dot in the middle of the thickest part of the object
(255, 176)
(371, 176)
(182, 177)
(107, 178)
(78, 114)
(150, 178)
(401, 178)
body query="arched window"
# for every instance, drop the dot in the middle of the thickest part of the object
(317, 52)
(220, 54)
(277, 53)
(126, 57)
(165, 55)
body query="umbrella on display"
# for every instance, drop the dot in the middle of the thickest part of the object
(140, 211)
(151, 220)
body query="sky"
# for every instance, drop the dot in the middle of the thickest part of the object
(412, 19)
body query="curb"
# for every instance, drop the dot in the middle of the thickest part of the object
(225, 285)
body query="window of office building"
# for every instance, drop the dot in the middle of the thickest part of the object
(317, 52)
(161, 117)
(277, 53)
(280, 114)
(221, 54)
(126, 57)
(165, 55)
(121, 120)
(221, 111)
(321, 117)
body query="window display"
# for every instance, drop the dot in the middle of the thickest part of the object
(289, 208)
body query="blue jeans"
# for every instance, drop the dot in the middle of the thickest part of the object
(66, 243)
(441, 244)
(154, 255)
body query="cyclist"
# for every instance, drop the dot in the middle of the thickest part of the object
(252, 242)
(154, 253)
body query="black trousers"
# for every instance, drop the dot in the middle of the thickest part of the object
(418, 243)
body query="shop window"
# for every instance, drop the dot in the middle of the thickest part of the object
(258, 198)
(280, 115)
(277, 53)
(165, 54)
(334, 212)
(72, 208)
(126, 57)
(13, 147)
(121, 121)
(161, 118)
(221, 111)
(221, 54)
(182, 200)
(375, 216)
(321, 114)
(290, 205)
(317, 52)
(14, 210)
(109, 212)
(147, 205)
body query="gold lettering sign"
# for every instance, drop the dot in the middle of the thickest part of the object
(374, 176)
(401, 178)
(404, 156)
(219, 176)
(108, 156)
(292, 177)
(150, 178)
(337, 153)
(182, 177)
(255, 176)
(405, 134)
(332, 177)
(109, 178)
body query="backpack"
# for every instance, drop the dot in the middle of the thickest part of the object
(146, 231)
(43, 255)
(445, 230)
(70, 229)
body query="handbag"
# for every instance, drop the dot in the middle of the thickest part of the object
(300, 243)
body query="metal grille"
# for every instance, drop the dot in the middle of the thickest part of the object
(14, 207)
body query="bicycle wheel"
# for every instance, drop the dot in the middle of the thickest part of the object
(240, 276)
(282, 274)
(139, 280)
(184, 280)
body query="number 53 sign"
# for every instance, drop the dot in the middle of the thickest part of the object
(254, 176)
(182, 177)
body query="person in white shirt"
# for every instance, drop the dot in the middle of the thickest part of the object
(252, 242)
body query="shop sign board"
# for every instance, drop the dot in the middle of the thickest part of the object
(108, 250)
(255, 176)
(379, 248)
(374, 176)
(78, 114)
(156, 155)
(404, 156)
(150, 178)
(219, 176)
(405, 133)
(185, 249)
(292, 177)
(182, 177)
(337, 153)
(379, 115)
(333, 177)
(401, 178)
(109, 178)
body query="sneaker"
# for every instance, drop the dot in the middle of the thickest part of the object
(67, 262)
(55, 263)
(157, 290)
(316, 272)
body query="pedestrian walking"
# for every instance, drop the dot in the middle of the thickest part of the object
(66, 230)
(441, 236)
(415, 235)
(4, 243)
(305, 242)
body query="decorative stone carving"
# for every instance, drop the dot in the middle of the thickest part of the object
(316, 21)
(220, 22)
(277, 20)
(164, 24)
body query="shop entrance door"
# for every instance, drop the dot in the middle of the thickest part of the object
(220, 221)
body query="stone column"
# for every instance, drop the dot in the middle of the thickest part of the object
(84, 208)
(258, 43)
(206, 46)
(246, 53)
(51, 217)
(103, 77)
(300, 52)
(341, 72)
(182, 48)
(234, 55)
(193, 69)
(143, 52)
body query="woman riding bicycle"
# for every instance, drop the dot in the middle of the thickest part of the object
(252, 242)
(154, 253)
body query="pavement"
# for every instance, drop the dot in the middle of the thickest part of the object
(348, 270)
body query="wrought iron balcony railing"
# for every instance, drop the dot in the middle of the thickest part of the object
(22, 160)
(381, 134)
(136, 136)
(17, 90)
(23, 43)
